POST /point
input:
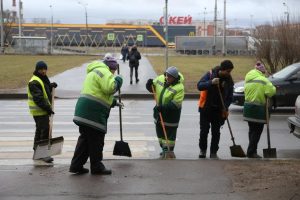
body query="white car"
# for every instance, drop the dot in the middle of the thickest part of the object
(294, 121)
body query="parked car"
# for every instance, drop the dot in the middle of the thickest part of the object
(287, 83)
(294, 121)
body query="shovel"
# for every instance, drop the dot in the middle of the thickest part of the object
(50, 146)
(121, 148)
(269, 152)
(166, 154)
(236, 150)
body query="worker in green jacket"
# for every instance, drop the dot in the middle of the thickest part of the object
(91, 114)
(257, 89)
(169, 91)
(39, 93)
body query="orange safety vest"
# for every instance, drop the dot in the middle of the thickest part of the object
(203, 95)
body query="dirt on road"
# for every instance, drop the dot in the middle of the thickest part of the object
(266, 179)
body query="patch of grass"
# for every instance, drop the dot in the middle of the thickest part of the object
(193, 68)
(16, 70)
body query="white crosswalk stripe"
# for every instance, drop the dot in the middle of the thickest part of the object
(17, 131)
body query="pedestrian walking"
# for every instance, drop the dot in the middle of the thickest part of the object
(124, 52)
(169, 91)
(134, 56)
(39, 91)
(91, 114)
(212, 114)
(257, 89)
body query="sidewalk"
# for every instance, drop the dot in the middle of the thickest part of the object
(70, 82)
(154, 179)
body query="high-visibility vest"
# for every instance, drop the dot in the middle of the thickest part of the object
(34, 109)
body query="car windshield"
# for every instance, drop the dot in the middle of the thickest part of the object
(284, 72)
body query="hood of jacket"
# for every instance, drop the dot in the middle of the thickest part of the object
(95, 65)
(254, 73)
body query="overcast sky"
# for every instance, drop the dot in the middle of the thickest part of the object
(99, 11)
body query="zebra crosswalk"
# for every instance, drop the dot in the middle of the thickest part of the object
(17, 132)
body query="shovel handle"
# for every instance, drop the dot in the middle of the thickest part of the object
(51, 118)
(161, 120)
(227, 120)
(268, 120)
(120, 109)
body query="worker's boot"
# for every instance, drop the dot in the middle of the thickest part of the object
(202, 154)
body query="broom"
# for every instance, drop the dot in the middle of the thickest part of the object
(166, 154)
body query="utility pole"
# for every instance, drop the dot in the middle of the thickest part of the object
(20, 25)
(166, 34)
(2, 25)
(51, 32)
(287, 13)
(224, 31)
(215, 31)
(204, 27)
(86, 24)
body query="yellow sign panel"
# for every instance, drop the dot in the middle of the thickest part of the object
(192, 34)
(110, 36)
(139, 38)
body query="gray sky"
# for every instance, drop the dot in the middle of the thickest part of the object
(99, 11)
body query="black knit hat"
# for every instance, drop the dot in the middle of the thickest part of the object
(226, 64)
(40, 65)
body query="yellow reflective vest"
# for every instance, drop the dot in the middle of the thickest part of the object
(34, 109)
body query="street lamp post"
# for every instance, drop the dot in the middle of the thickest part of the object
(51, 32)
(2, 29)
(215, 31)
(20, 25)
(224, 30)
(204, 27)
(287, 13)
(166, 34)
(86, 24)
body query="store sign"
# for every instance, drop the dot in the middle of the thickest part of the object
(177, 20)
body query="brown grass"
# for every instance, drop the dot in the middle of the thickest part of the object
(194, 67)
(16, 70)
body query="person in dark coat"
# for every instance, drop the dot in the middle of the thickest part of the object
(134, 56)
(212, 113)
(124, 52)
(39, 100)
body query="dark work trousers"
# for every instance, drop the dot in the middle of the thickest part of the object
(255, 130)
(171, 134)
(90, 144)
(124, 56)
(41, 130)
(210, 119)
(136, 72)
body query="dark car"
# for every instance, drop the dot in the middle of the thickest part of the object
(287, 83)
(294, 121)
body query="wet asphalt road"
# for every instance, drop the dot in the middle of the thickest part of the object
(17, 131)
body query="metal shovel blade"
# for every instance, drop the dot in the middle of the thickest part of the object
(270, 153)
(44, 150)
(237, 151)
(122, 149)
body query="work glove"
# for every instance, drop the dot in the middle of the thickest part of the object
(149, 85)
(120, 104)
(215, 81)
(53, 85)
(114, 103)
(50, 112)
(119, 81)
(224, 114)
(159, 108)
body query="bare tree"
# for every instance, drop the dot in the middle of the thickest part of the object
(279, 44)
(7, 27)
